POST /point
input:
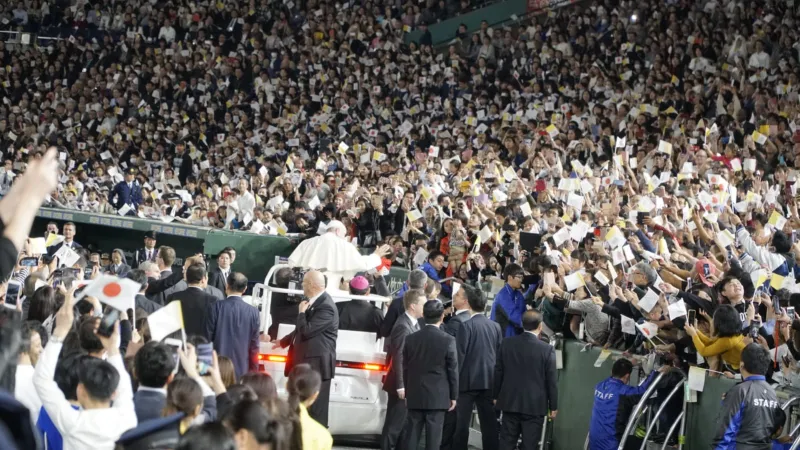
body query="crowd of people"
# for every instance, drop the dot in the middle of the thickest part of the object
(85, 375)
(629, 170)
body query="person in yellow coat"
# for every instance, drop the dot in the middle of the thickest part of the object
(303, 387)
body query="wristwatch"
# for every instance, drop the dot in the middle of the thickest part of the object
(56, 339)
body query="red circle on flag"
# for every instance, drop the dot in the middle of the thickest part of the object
(112, 289)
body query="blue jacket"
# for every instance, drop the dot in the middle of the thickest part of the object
(233, 326)
(607, 424)
(433, 274)
(126, 195)
(511, 303)
(52, 437)
(747, 416)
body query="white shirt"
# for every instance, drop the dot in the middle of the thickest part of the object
(759, 60)
(168, 33)
(159, 390)
(82, 429)
(414, 321)
(25, 392)
(314, 299)
(246, 203)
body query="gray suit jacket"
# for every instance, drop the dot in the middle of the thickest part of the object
(402, 328)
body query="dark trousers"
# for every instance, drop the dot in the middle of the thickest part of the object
(514, 424)
(486, 413)
(393, 424)
(319, 410)
(449, 429)
(432, 420)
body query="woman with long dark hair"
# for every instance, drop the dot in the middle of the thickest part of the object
(266, 390)
(726, 342)
(43, 305)
(185, 396)
(303, 386)
(255, 429)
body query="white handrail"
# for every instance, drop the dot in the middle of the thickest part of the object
(262, 293)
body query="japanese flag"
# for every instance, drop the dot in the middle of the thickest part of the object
(649, 330)
(116, 292)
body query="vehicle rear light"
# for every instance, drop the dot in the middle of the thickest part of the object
(361, 366)
(273, 358)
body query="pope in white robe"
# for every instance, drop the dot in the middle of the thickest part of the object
(334, 253)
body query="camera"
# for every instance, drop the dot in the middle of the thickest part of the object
(292, 278)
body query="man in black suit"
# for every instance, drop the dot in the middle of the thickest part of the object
(393, 384)
(69, 240)
(195, 302)
(451, 326)
(416, 280)
(359, 315)
(430, 374)
(313, 340)
(149, 252)
(525, 385)
(460, 310)
(477, 343)
(218, 276)
(164, 260)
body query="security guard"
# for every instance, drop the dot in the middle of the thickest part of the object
(509, 303)
(127, 192)
(613, 401)
(747, 417)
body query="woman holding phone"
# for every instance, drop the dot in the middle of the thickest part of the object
(726, 342)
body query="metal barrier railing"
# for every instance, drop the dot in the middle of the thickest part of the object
(638, 410)
(262, 295)
(788, 406)
(653, 420)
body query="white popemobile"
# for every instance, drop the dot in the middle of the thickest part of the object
(357, 401)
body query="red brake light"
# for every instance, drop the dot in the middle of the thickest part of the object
(361, 366)
(272, 358)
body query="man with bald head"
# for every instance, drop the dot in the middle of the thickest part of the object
(313, 340)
